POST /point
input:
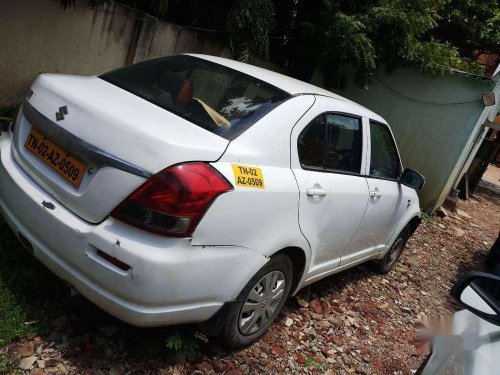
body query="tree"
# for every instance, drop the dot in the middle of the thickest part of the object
(471, 25)
(432, 36)
(249, 26)
(366, 35)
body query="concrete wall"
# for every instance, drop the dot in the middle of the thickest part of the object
(38, 36)
(432, 138)
(157, 39)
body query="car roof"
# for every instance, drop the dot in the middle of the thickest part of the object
(290, 85)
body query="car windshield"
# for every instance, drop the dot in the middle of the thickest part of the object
(219, 99)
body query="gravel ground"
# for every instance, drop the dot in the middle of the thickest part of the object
(353, 322)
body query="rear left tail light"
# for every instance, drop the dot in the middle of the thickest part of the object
(174, 200)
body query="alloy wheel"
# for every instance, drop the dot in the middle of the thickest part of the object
(262, 302)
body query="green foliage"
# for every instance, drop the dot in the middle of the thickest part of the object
(432, 36)
(438, 58)
(426, 217)
(12, 313)
(471, 25)
(20, 276)
(7, 367)
(343, 39)
(389, 33)
(185, 345)
(309, 362)
(250, 23)
(12, 317)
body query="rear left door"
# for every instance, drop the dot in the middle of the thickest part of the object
(327, 159)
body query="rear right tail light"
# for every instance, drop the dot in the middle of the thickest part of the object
(174, 200)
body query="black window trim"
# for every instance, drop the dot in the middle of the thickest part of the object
(329, 170)
(400, 166)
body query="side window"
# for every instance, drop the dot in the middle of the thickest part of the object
(331, 142)
(343, 143)
(384, 156)
(311, 144)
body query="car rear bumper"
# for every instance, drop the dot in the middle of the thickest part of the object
(169, 282)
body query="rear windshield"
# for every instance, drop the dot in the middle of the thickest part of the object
(219, 99)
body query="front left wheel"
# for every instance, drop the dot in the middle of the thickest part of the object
(259, 303)
(389, 260)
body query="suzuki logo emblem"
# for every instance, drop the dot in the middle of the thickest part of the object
(60, 114)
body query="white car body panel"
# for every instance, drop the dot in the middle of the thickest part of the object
(123, 124)
(385, 211)
(181, 280)
(119, 123)
(163, 286)
(323, 220)
(230, 218)
(97, 194)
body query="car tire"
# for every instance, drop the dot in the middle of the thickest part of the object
(389, 260)
(257, 306)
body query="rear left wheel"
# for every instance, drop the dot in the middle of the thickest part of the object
(259, 303)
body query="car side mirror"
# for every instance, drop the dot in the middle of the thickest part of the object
(412, 178)
(479, 293)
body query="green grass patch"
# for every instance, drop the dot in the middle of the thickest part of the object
(12, 317)
(311, 363)
(28, 291)
(7, 367)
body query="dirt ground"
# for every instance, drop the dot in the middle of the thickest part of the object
(353, 322)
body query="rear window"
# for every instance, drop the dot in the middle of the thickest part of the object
(219, 99)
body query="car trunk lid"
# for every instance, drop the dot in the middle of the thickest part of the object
(121, 138)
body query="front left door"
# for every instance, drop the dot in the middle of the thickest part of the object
(326, 163)
(387, 203)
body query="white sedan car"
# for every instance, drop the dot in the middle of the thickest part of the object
(193, 188)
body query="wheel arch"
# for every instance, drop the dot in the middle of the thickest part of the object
(412, 222)
(299, 260)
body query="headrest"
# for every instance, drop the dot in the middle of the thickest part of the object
(180, 88)
(185, 93)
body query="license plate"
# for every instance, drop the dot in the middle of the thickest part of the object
(61, 161)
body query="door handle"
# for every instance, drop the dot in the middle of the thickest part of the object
(375, 193)
(316, 192)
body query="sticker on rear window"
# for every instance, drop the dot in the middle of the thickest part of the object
(247, 176)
